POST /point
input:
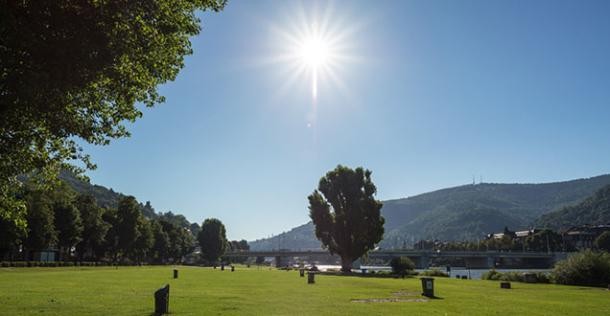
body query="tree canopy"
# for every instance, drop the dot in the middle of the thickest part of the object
(212, 239)
(94, 226)
(602, 242)
(346, 214)
(78, 69)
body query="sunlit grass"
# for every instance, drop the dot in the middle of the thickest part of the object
(199, 291)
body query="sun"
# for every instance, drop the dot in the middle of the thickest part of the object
(314, 46)
(314, 52)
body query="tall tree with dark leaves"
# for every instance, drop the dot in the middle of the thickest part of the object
(161, 244)
(127, 226)
(212, 239)
(346, 214)
(41, 228)
(68, 225)
(107, 56)
(13, 226)
(195, 229)
(142, 246)
(94, 227)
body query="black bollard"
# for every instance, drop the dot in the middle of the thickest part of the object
(302, 272)
(162, 300)
(311, 277)
(232, 268)
(222, 267)
(175, 273)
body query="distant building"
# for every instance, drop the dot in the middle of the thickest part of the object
(514, 235)
(582, 237)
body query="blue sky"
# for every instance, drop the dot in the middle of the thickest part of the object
(433, 93)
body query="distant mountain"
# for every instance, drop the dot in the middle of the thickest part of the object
(460, 213)
(105, 197)
(298, 238)
(593, 210)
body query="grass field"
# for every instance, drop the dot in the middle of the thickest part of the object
(204, 291)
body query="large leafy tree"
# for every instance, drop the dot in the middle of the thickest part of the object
(180, 240)
(239, 245)
(13, 226)
(69, 226)
(161, 244)
(346, 214)
(41, 232)
(212, 239)
(125, 223)
(195, 229)
(94, 226)
(142, 246)
(74, 69)
(128, 223)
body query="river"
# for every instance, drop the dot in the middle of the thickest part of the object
(473, 273)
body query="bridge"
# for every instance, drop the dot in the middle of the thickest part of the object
(424, 258)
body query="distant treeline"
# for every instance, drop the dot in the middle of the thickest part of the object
(538, 241)
(74, 227)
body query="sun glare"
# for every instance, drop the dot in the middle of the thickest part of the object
(315, 47)
(314, 52)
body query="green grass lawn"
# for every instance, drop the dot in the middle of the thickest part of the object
(204, 291)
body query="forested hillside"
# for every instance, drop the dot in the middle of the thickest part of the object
(461, 213)
(105, 197)
(593, 210)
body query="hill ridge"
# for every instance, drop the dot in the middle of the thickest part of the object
(461, 212)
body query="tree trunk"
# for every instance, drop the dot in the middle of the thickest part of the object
(346, 264)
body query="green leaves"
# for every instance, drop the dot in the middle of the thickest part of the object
(212, 239)
(346, 214)
(73, 70)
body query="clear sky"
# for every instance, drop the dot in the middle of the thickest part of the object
(426, 94)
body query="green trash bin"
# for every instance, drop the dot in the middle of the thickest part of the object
(427, 285)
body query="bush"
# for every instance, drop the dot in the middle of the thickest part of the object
(602, 242)
(540, 277)
(491, 275)
(512, 276)
(584, 268)
(502, 276)
(434, 273)
(400, 265)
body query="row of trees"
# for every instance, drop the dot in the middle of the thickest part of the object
(79, 229)
(542, 241)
